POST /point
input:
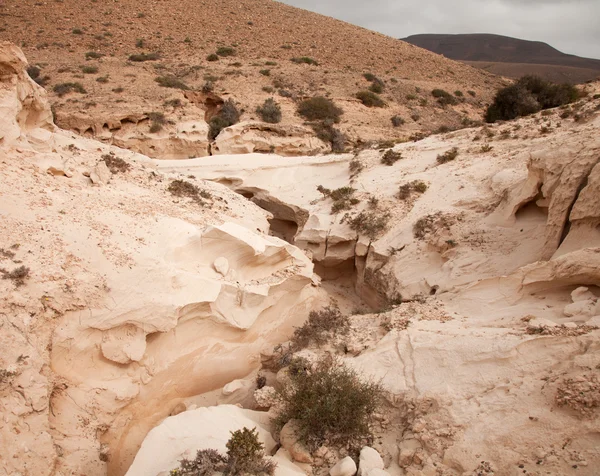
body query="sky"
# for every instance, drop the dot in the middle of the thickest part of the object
(571, 26)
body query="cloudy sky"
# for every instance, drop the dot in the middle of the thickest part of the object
(572, 26)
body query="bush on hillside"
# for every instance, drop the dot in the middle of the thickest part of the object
(228, 116)
(329, 134)
(529, 95)
(141, 57)
(226, 51)
(331, 404)
(370, 99)
(171, 82)
(66, 88)
(270, 111)
(320, 108)
(305, 60)
(444, 98)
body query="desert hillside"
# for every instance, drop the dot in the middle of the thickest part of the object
(511, 57)
(151, 310)
(100, 63)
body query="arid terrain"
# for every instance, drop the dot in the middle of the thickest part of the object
(511, 57)
(118, 94)
(155, 301)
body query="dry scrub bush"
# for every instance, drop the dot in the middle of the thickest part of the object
(181, 188)
(447, 156)
(320, 108)
(115, 164)
(329, 134)
(228, 116)
(390, 157)
(171, 82)
(331, 405)
(343, 197)
(17, 275)
(369, 223)
(444, 98)
(141, 57)
(270, 111)
(66, 88)
(370, 99)
(319, 326)
(405, 190)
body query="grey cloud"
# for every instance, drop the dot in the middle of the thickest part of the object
(570, 26)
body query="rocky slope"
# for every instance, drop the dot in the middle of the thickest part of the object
(134, 289)
(120, 91)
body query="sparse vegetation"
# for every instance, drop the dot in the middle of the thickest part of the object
(319, 327)
(245, 456)
(305, 60)
(115, 164)
(228, 116)
(329, 134)
(390, 157)
(369, 223)
(157, 120)
(486, 148)
(447, 156)
(89, 69)
(171, 82)
(331, 404)
(320, 108)
(444, 98)
(226, 51)
(141, 57)
(93, 55)
(429, 224)
(265, 72)
(370, 99)
(405, 190)
(66, 88)
(355, 166)
(343, 197)
(528, 95)
(102, 79)
(182, 188)
(212, 57)
(397, 121)
(77, 31)
(17, 275)
(270, 111)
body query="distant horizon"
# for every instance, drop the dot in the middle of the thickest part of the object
(572, 30)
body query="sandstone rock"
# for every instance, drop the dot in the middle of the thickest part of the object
(249, 137)
(204, 428)
(56, 172)
(407, 451)
(124, 344)
(582, 294)
(589, 307)
(289, 441)
(344, 467)
(233, 387)
(369, 460)
(377, 472)
(221, 265)
(100, 174)
(285, 466)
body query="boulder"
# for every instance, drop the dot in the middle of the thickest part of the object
(289, 441)
(344, 467)
(369, 459)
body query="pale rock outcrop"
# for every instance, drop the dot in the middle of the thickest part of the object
(289, 441)
(344, 467)
(265, 397)
(181, 436)
(23, 104)
(233, 387)
(369, 460)
(260, 137)
(129, 127)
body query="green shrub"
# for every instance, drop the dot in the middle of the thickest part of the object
(444, 98)
(93, 55)
(228, 116)
(329, 134)
(331, 405)
(377, 86)
(458, 94)
(390, 157)
(370, 77)
(212, 57)
(265, 72)
(319, 326)
(528, 95)
(89, 69)
(370, 99)
(305, 60)
(472, 93)
(397, 121)
(34, 72)
(447, 156)
(270, 111)
(171, 82)
(369, 223)
(343, 197)
(141, 57)
(226, 51)
(245, 455)
(66, 88)
(320, 108)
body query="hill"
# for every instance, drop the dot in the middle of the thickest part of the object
(517, 57)
(116, 52)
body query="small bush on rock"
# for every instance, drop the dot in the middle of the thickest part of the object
(228, 116)
(447, 156)
(115, 164)
(270, 111)
(369, 223)
(331, 405)
(327, 133)
(318, 327)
